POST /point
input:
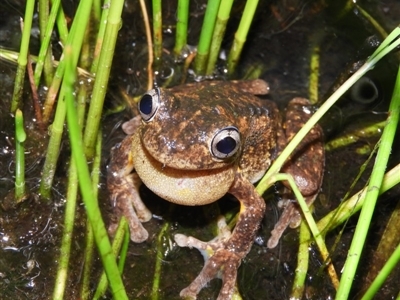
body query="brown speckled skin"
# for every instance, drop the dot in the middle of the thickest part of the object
(179, 135)
(171, 155)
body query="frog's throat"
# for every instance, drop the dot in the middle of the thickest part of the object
(185, 187)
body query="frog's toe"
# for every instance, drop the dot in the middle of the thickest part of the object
(223, 263)
(189, 241)
(112, 228)
(138, 233)
(219, 262)
(135, 218)
(206, 248)
(291, 217)
(142, 212)
(296, 219)
(281, 225)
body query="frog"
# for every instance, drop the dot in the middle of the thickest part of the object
(194, 143)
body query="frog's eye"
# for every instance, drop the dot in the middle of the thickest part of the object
(225, 142)
(148, 104)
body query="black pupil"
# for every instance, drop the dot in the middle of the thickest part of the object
(146, 104)
(226, 145)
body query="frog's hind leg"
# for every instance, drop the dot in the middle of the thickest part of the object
(306, 165)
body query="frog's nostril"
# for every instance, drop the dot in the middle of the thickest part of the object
(225, 143)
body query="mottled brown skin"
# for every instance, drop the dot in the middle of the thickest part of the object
(171, 155)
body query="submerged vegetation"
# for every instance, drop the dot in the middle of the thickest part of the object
(74, 104)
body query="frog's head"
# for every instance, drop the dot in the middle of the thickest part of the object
(190, 130)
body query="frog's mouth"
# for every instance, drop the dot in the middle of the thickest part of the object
(185, 187)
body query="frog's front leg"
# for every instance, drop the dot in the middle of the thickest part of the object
(229, 250)
(124, 191)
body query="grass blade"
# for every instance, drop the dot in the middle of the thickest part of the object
(23, 54)
(205, 37)
(374, 187)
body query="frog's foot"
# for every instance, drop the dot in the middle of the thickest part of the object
(131, 206)
(207, 249)
(223, 261)
(291, 217)
(289, 212)
(220, 262)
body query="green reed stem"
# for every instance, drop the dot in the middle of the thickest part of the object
(389, 240)
(253, 72)
(354, 204)
(57, 79)
(85, 292)
(89, 244)
(314, 75)
(74, 41)
(155, 289)
(97, 10)
(354, 136)
(68, 228)
(123, 253)
(53, 92)
(318, 238)
(85, 184)
(44, 24)
(374, 186)
(102, 77)
(181, 27)
(383, 274)
(218, 34)
(241, 34)
(382, 32)
(206, 34)
(120, 242)
(43, 10)
(12, 57)
(23, 55)
(157, 30)
(62, 25)
(20, 137)
(53, 147)
(265, 182)
(387, 45)
(85, 57)
(302, 262)
(69, 217)
(100, 37)
(45, 51)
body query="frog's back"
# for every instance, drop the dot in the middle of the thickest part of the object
(259, 119)
(191, 115)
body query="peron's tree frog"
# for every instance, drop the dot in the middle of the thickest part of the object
(194, 143)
